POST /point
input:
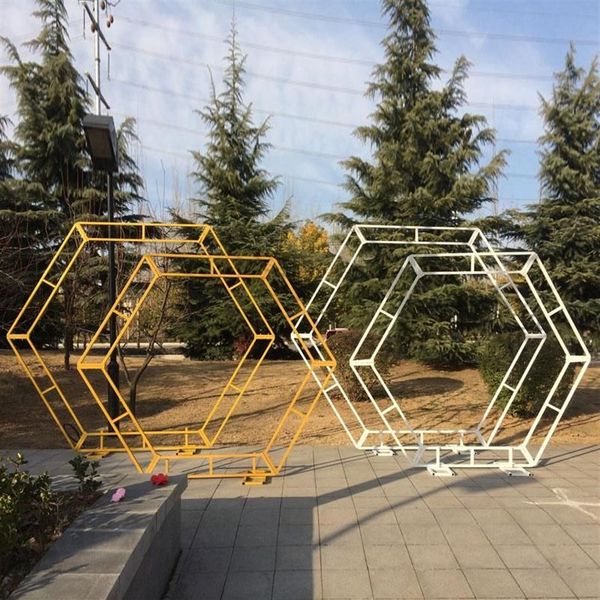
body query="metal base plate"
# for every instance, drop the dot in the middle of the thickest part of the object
(256, 480)
(441, 471)
(383, 451)
(515, 471)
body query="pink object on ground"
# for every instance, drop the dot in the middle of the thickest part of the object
(118, 495)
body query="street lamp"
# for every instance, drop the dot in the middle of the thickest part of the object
(101, 138)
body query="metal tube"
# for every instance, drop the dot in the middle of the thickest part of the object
(113, 366)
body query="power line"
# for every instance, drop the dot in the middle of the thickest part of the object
(519, 107)
(281, 80)
(293, 150)
(474, 7)
(329, 58)
(284, 175)
(442, 32)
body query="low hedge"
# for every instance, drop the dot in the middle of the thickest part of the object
(495, 356)
(342, 344)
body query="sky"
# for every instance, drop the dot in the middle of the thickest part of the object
(308, 63)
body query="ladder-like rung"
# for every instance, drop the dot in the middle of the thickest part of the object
(120, 417)
(553, 407)
(298, 412)
(52, 285)
(388, 409)
(236, 388)
(555, 310)
(52, 387)
(331, 387)
(328, 283)
(362, 362)
(387, 314)
(232, 287)
(508, 387)
(119, 314)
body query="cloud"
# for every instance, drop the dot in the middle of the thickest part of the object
(163, 93)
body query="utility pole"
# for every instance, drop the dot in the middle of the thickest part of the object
(96, 83)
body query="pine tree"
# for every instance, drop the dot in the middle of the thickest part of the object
(234, 198)
(426, 169)
(564, 228)
(55, 184)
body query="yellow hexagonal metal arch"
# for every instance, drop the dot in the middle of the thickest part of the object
(198, 237)
(318, 361)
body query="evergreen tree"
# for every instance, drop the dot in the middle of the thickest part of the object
(426, 169)
(564, 228)
(55, 185)
(234, 198)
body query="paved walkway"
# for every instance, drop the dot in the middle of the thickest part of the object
(341, 524)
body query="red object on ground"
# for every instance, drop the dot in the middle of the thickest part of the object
(160, 479)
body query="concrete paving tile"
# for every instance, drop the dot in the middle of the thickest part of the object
(376, 517)
(300, 558)
(482, 556)
(346, 584)
(522, 557)
(188, 587)
(298, 516)
(585, 583)
(422, 534)
(442, 500)
(298, 535)
(464, 534)
(343, 557)
(413, 515)
(493, 583)
(301, 585)
(401, 582)
(435, 556)
(260, 517)
(330, 534)
(373, 502)
(338, 516)
(440, 583)
(530, 515)
(453, 515)
(541, 583)
(256, 535)
(253, 558)
(386, 556)
(385, 533)
(208, 560)
(584, 534)
(505, 533)
(567, 557)
(492, 515)
(593, 551)
(241, 585)
(540, 534)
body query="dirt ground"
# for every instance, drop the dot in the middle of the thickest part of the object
(180, 393)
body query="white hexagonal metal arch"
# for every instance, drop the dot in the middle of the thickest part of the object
(470, 244)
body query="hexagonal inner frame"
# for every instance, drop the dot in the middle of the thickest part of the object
(511, 457)
(318, 362)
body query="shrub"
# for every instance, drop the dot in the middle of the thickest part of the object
(28, 513)
(496, 355)
(86, 473)
(32, 514)
(342, 344)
